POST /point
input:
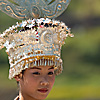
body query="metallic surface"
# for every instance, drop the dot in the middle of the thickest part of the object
(25, 9)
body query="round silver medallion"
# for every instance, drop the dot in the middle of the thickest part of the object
(47, 37)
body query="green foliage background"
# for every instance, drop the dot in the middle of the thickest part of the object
(80, 79)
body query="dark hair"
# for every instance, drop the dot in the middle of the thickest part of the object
(20, 77)
(23, 73)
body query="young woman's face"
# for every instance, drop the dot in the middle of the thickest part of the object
(37, 82)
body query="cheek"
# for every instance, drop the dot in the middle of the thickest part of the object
(52, 80)
(30, 83)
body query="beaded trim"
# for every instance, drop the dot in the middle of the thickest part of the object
(49, 60)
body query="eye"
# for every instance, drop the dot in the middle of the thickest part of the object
(36, 73)
(50, 73)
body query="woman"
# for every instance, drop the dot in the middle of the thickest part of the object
(33, 49)
(35, 83)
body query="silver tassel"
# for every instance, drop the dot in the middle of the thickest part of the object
(45, 62)
(55, 61)
(48, 62)
(35, 63)
(52, 61)
(40, 62)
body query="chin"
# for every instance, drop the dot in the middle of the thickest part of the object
(42, 97)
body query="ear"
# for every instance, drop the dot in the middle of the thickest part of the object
(18, 77)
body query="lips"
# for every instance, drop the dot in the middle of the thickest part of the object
(43, 90)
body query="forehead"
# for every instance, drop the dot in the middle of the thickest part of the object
(43, 67)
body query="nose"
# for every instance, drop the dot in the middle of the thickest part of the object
(44, 83)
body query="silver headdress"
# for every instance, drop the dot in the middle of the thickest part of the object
(35, 42)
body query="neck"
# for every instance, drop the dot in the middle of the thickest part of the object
(25, 97)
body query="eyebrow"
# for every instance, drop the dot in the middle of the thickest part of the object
(40, 68)
(36, 68)
(51, 68)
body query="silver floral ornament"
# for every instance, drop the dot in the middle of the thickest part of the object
(25, 9)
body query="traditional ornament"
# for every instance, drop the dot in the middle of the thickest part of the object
(25, 9)
(34, 42)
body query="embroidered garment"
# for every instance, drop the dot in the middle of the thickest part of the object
(17, 98)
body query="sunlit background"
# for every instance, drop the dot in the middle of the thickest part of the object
(80, 79)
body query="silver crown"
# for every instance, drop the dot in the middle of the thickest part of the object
(34, 43)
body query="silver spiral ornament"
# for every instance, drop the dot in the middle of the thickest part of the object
(47, 37)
